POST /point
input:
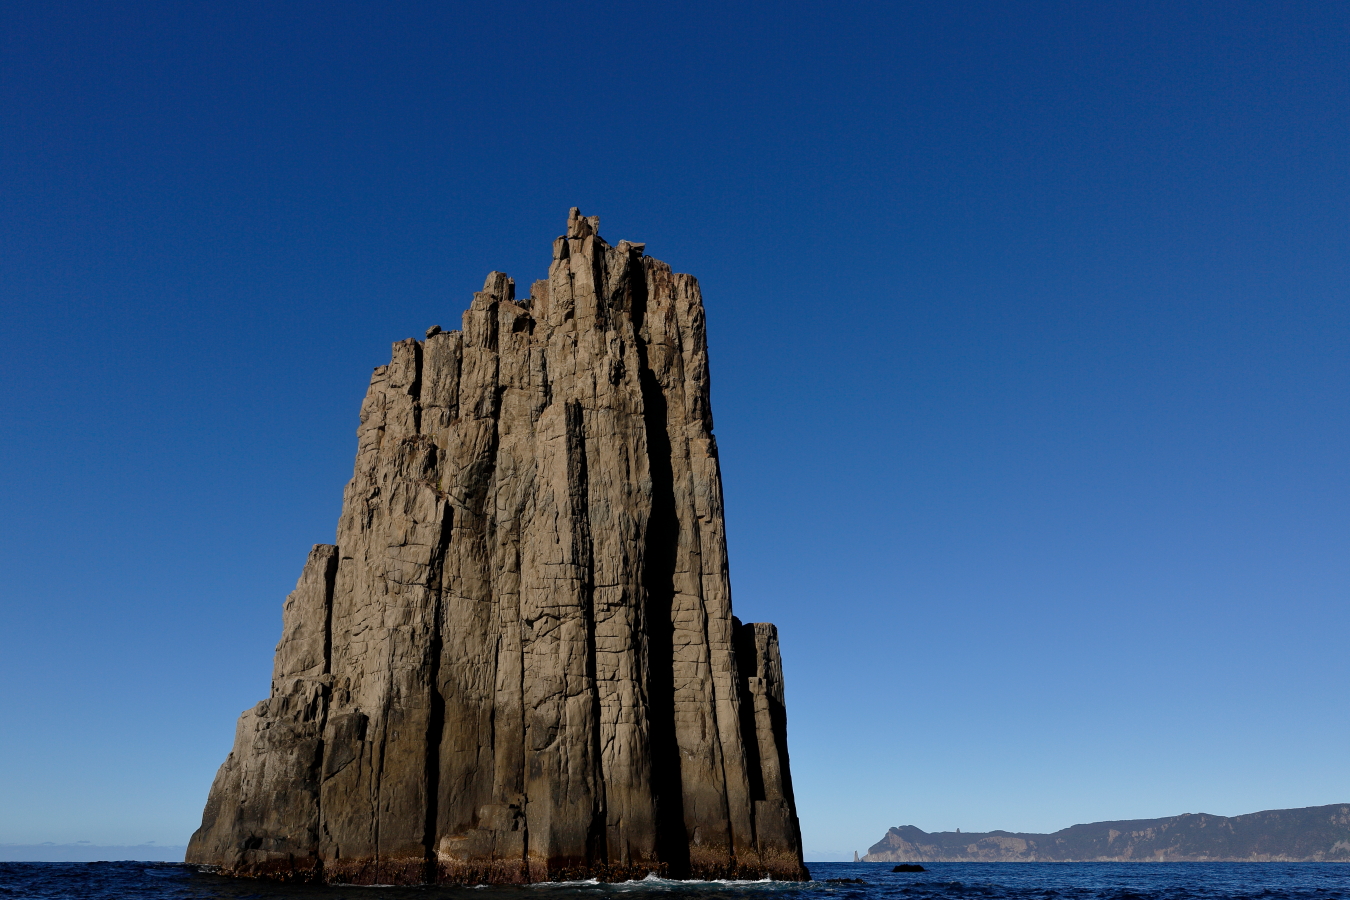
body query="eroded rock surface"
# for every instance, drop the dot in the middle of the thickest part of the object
(519, 662)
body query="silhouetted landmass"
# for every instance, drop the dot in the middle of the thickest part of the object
(1311, 834)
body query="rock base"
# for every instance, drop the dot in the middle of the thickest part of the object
(418, 871)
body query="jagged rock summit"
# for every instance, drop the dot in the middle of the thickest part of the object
(519, 663)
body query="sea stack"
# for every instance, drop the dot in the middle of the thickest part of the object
(519, 663)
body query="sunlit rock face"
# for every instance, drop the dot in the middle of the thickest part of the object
(519, 663)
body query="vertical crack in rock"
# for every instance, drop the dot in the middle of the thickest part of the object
(658, 581)
(518, 662)
(436, 719)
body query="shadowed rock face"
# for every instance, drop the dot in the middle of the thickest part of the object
(519, 661)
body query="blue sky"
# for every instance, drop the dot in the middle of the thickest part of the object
(1029, 333)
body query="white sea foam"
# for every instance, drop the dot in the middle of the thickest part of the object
(652, 881)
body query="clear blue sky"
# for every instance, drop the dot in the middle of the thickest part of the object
(1030, 327)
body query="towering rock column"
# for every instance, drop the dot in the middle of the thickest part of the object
(519, 662)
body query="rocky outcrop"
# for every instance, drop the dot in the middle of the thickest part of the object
(518, 662)
(1312, 834)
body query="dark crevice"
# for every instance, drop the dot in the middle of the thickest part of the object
(415, 389)
(326, 695)
(579, 486)
(524, 740)
(436, 712)
(547, 387)
(378, 797)
(658, 582)
(747, 663)
(329, 587)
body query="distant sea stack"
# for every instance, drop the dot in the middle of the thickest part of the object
(519, 663)
(1312, 834)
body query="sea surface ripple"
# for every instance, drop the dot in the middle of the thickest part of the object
(976, 881)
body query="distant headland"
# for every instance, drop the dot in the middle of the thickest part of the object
(1310, 834)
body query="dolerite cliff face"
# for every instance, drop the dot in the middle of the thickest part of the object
(519, 661)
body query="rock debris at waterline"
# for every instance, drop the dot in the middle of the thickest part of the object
(519, 662)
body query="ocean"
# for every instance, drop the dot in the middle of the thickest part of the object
(959, 881)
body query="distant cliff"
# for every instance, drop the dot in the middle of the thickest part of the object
(1312, 834)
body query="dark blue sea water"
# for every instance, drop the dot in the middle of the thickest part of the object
(958, 881)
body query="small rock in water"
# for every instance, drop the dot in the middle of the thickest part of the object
(844, 881)
(909, 867)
